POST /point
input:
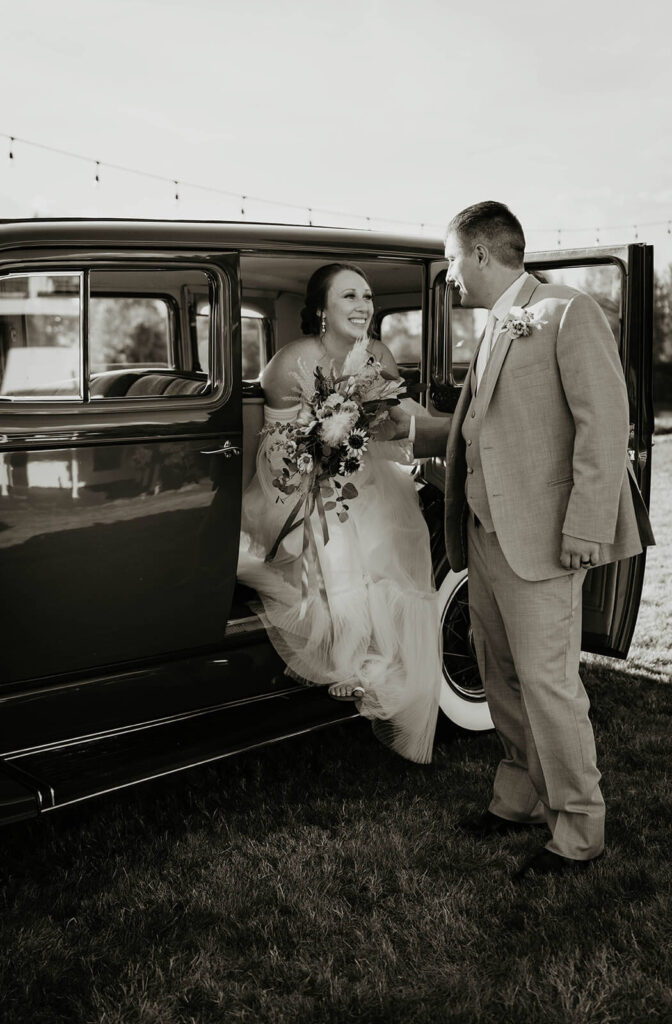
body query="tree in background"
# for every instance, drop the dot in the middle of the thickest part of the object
(662, 339)
(128, 332)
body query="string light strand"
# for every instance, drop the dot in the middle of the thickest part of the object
(179, 185)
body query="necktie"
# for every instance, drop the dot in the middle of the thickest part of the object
(486, 347)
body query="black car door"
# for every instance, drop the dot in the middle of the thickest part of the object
(120, 475)
(621, 280)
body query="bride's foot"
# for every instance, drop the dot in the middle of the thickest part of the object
(346, 691)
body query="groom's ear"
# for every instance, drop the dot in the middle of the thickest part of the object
(482, 254)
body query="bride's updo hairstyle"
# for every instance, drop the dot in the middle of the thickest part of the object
(316, 294)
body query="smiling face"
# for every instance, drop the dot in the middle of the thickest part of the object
(349, 306)
(467, 270)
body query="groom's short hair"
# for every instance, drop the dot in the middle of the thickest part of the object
(495, 226)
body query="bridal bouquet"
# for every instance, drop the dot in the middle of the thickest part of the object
(326, 443)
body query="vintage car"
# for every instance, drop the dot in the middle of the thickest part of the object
(130, 406)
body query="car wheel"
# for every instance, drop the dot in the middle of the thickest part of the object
(462, 696)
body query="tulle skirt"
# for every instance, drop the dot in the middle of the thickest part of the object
(370, 611)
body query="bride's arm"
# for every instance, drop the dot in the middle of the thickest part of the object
(278, 378)
(431, 432)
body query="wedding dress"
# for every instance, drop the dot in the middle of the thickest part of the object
(379, 625)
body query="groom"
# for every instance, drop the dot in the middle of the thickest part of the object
(538, 490)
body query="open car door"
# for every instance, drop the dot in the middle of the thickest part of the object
(120, 437)
(620, 279)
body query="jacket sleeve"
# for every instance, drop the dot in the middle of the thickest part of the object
(596, 394)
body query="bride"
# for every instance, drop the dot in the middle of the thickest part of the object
(364, 621)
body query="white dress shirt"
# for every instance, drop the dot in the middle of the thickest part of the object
(499, 312)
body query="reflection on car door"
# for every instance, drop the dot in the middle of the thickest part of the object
(119, 527)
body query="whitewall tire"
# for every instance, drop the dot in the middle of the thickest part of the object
(462, 698)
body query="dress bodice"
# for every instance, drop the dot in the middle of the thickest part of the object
(281, 415)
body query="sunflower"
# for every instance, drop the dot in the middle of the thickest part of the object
(357, 441)
(350, 463)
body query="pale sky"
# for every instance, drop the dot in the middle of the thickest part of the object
(400, 109)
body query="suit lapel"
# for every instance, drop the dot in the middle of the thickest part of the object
(503, 344)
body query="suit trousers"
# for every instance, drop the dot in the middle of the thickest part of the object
(527, 637)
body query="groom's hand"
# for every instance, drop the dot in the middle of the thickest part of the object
(431, 432)
(401, 422)
(576, 553)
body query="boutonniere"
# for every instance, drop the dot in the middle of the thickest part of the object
(521, 322)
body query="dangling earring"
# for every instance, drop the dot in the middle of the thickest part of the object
(323, 324)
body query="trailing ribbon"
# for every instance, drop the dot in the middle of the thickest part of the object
(312, 500)
(321, 511)
(287, 528)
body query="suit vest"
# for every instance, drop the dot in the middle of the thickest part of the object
(477, 497)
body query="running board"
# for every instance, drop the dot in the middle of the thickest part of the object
(71, 772)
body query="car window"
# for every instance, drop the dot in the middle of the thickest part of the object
(125, 333)
(401, 331)
(602, 282)
(142, 332)
(467, 327)
(203, 312)
(273, 294)
(149, 333)
(254, 343)
(40, 336)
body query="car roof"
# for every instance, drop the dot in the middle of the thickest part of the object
(202, 234)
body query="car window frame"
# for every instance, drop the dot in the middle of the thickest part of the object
(532, 265)
(174, 312)
(267, 339)
(75, 263)
(11, 401)
(388, 311)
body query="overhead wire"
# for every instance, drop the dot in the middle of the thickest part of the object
(309, 210)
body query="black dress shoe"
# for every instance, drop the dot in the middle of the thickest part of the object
(545, 862)
(483, 826)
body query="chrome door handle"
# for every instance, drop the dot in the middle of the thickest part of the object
(227, 451)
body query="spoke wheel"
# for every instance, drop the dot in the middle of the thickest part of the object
(462, 695)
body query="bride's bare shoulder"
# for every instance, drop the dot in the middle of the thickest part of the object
(279, 378)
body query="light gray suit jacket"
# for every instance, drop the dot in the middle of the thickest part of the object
(553, 440)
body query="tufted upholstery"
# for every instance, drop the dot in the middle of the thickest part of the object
(111, 384)
(147, 384)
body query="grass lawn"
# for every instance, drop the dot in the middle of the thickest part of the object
(323, 879)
